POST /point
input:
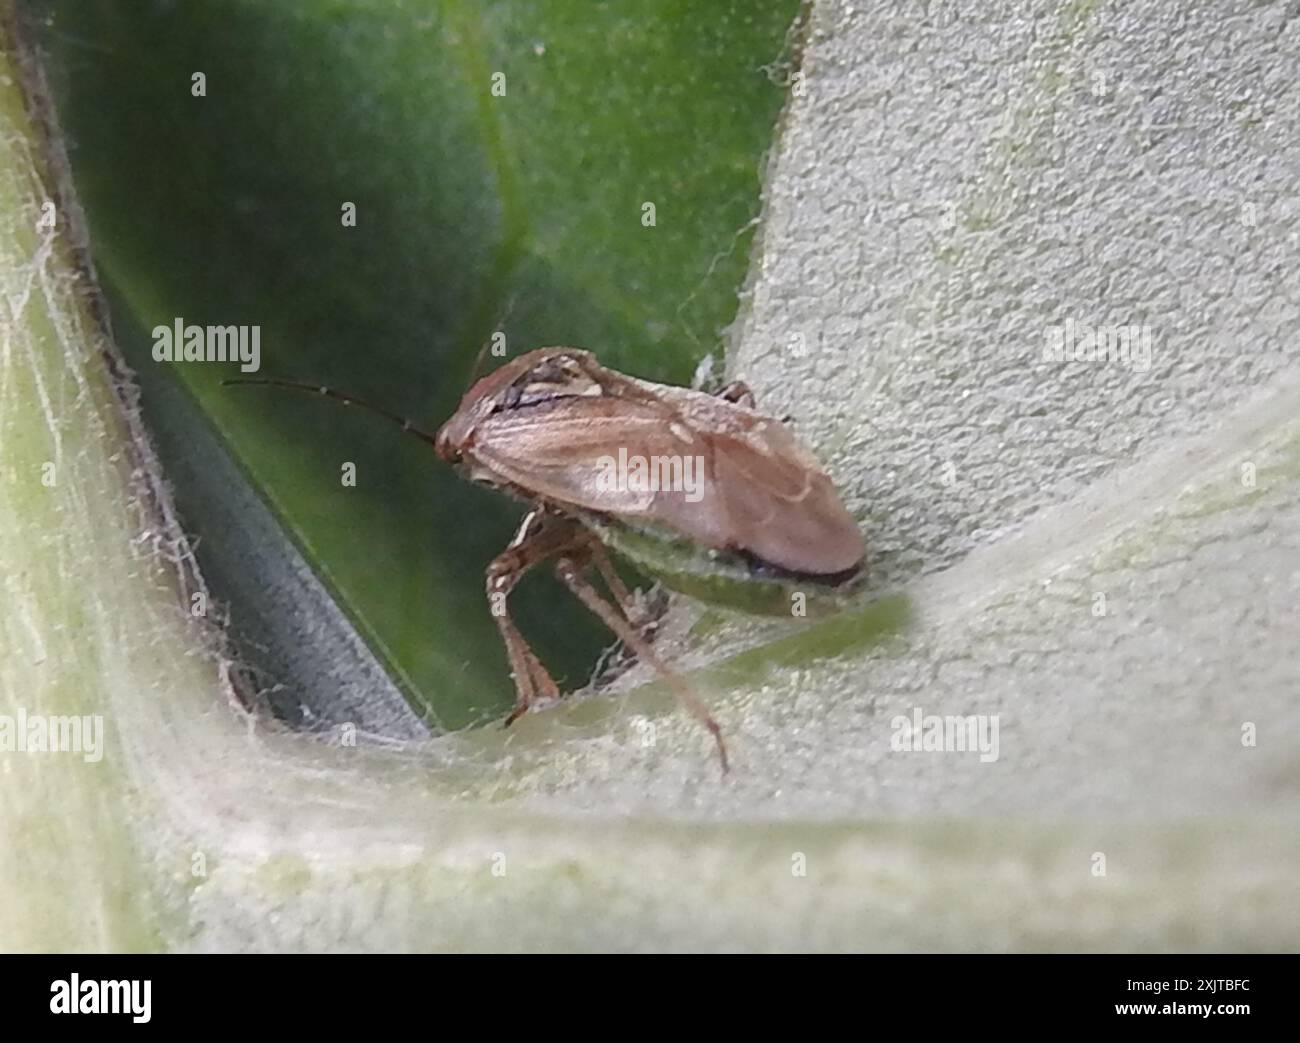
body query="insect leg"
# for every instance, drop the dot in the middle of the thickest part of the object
(737, 391)
(569, 569)
(615, 583)
(538, 538)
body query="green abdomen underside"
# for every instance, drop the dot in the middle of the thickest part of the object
(718, 577)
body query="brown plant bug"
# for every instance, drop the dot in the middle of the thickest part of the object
(700, 490)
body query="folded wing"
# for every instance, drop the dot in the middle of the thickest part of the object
(754, 489)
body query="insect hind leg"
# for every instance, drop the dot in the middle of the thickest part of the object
(627, 601)
(569, 567)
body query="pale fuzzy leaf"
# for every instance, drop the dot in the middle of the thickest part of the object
(1120, 733)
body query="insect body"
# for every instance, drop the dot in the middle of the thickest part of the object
(699, 489)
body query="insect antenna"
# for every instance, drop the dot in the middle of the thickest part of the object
(338, 396)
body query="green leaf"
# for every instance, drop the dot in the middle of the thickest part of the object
(499, 158)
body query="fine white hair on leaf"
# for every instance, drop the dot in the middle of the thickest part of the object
(703, 378)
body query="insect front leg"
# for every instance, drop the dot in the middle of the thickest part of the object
(569, 568)
(539, 537)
